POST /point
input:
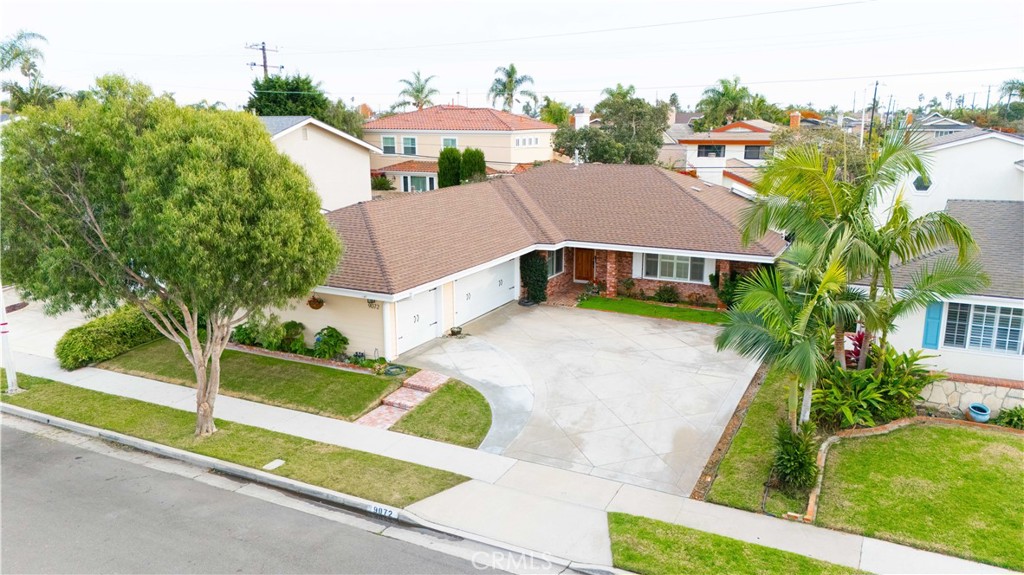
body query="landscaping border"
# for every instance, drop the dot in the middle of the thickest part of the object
(344, 366)
(812, 501)
(710, 471)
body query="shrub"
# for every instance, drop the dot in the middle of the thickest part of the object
(1013, 417)
(381, 183)
(590, 290)
(449, 168)
(725, 288)
(474, 167)
(268, 330)
(104, 338)
(697, 299)
(293, 339)
(627, 288)
(329, 343)
(667, 293)
(796, 455)
(244, 334)
(534, 275)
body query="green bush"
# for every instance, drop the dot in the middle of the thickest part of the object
(293, 339)
(627, 288)
(449, 168)
(329, 343)
(244, 334)
(796, 455)
(667, 293)
(104, 338)
(533, 270)
(725, 288)
(474, 167)
(381, 183)
(268, 329)
(1013, 417)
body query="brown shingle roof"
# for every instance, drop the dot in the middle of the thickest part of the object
(458, 118)
(998, 229)
(398, 244)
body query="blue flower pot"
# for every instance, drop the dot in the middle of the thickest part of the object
(979, 412)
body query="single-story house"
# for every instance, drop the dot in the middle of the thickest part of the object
(415, 266)
(976, 335)
(338, 163)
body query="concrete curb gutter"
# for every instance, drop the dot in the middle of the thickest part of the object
(300, 488)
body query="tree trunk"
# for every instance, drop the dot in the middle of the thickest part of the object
(793, 396)
(839, 345)
(805, 407)
(883, 342)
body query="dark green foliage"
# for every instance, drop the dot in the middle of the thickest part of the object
(104, 338)
(627, 288)
(795, 455)
(288, 96)
(533, 270)
(667, 293)
(1013, 417)
(244, 334)
(449, 168)
(293, 340)
(726, 290)
(268, 330)
(346, 119)
(633, 123)
(473, 165)
(593, 144)
(381, 183)
(329, 343)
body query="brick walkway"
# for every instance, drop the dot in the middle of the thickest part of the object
(414, 391)
(567, 298)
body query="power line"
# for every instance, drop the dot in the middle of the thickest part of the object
(262, 47)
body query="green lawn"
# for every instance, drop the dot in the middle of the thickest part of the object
(648, 309)
(455, 413)
(957, 491)
(748, 463)
(302, 386)
(654, 547)
(357, 473)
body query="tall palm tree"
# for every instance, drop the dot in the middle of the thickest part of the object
(35, 94)
(17, 50)
(508, 87)
(724, 102)
(1011, 88)
(418, 91)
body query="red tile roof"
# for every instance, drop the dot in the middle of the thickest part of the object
(420, 167)
(458, 118)
(397, 244)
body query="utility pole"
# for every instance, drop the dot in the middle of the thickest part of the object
(987, 94)
(12, 373)
(874, 104)
(262, 47)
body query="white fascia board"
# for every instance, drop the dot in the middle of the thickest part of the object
(966, 299)
(460, 274)
(347, 137)
(979, 137)
(662, 251)
(354, 293)
(388, 132)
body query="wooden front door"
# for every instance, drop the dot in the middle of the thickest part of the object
(584, 264)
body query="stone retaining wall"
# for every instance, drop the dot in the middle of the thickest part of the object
(953, 397)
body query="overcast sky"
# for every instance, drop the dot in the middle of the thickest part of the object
(793, 52)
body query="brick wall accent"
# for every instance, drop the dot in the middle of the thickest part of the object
(562, 281)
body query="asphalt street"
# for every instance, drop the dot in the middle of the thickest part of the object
(68, 510)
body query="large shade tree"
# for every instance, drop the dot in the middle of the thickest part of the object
(191, 215)
(288, 96)
(632, 122)
(509, 87)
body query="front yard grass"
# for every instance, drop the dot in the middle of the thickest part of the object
(648, 309)
(456, 413)
(748, 463)
(302, 386)
(358, 473)
(953, 490)
(649, 546)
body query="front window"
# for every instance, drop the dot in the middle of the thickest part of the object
(710, 151)
(417, 183)
(675, 268)
(387, 143)
(556, 262)
(449, 143)
(755, 152)
(984, 327)
(409, 146)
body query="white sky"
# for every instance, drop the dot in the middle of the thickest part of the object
(360, 50)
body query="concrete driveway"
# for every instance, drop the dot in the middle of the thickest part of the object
(637, 400)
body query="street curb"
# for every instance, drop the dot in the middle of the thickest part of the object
(307, 490)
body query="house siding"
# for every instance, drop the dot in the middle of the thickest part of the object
(361, 324)
(499, 148)
(340, 170)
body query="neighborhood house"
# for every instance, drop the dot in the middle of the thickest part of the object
(746, 140)
(416, 266)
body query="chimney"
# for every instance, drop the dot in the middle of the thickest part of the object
(910, 118)
(794, 120)
(581, 117)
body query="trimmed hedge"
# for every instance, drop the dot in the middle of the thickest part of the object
(104, 338)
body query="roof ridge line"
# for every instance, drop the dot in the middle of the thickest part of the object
(385, 272)
(521, 195)
(496, 116)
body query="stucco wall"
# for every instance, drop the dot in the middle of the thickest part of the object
(340, 170)
(362, 324)
(710, 169)
(499, 148)
(910, 335)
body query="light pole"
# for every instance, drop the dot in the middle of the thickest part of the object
(12, 374)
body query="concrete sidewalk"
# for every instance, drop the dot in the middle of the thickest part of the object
(549, 510)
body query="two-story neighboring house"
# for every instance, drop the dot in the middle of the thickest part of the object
(338, 163)
(935, 125)
(410, 143)
(746, 140)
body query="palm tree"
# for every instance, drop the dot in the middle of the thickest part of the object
(724, 102)
(508, 85)
(1011, 88)
(35, 94)
(17, 50)
(418, 91)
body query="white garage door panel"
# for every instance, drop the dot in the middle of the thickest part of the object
(417, 320)
(483, 291)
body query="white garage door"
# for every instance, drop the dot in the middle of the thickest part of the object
(483, 291)
(417, 320)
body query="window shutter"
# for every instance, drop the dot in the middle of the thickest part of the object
(932, 325)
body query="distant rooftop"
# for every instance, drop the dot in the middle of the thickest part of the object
(458, 118)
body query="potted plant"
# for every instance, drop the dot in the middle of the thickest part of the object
(315, 302)
(979, 412)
